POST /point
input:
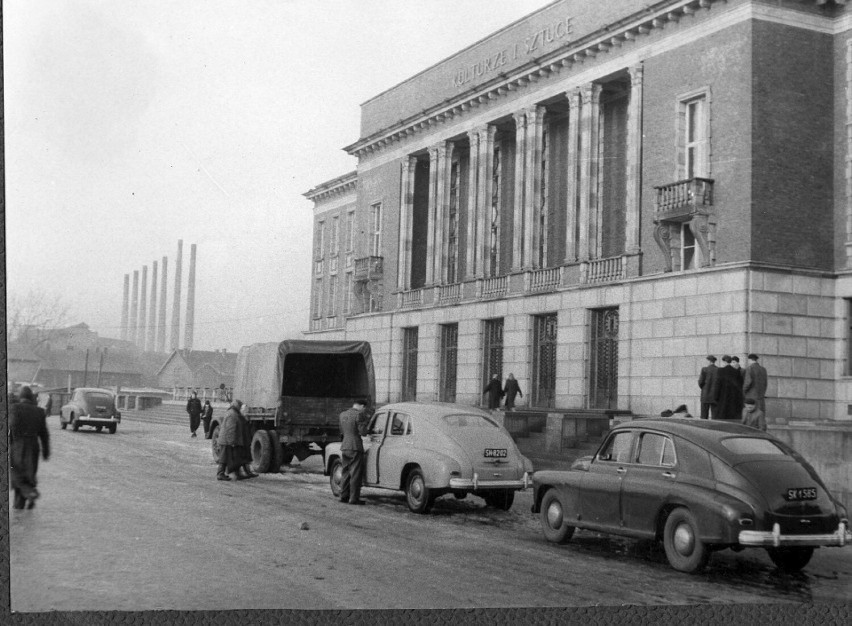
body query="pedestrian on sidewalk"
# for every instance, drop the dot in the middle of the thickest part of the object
(511, 389)
(708, 382)
(495, 391)
(234, 453)
(193, 407)
(27, 427)
(353, 426)
(206, 418)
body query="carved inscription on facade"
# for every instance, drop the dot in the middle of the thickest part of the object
(559, 31)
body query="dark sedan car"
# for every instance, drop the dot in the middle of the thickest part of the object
(90, 406)
(698, 486)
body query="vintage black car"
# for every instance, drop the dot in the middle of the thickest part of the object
(698, 486)
(90, 406)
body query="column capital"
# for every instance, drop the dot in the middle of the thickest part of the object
(535, 114)
(591, 93)
(409, 163)
(520, 118)
(636, 74)
(573, 95)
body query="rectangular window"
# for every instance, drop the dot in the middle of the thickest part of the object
(544, 361)
(409, 364)
(334, 244)
(332, 295)
(449, 354)
(319, 244)
(350, 231)
(690, 254)
(317, 312)
(376, 229)
(492, 350)
(347, 297)
(693, 136)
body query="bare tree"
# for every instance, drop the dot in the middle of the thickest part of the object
(33, 318)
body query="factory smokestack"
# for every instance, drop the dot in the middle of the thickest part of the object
(152, 312)
(190, 301)
(125, 307)
(175, 343)
(143, 299)
(134, 308)
(161, 325)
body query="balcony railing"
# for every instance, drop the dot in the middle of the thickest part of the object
(603, 270)
(494, 286)
(411, 299)
(683, 198)
(449, 294)
(544, 280)
(369, 268)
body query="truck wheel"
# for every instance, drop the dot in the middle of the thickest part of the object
(261, 451)
(276, 451)
(335, 477)
(214, 443)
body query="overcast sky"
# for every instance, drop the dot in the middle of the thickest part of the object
(130, 125)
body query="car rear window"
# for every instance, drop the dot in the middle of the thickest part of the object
(747, 446)
(99, 397)
(469, 421)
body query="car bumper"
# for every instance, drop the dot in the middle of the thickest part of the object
(774, 538)
(96, 421)
(475, 484)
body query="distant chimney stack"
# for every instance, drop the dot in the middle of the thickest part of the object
(175, 343)
(190, 301)
(152, 312)
(125, 307)
(161, 324)
(134, 308)
(143, 299)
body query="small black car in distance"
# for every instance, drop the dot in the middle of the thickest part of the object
(698, 486)
(90, 406)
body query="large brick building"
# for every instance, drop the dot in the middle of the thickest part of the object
(596, 197)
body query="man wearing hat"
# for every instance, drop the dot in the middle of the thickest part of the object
(708, 381)
(754, 382)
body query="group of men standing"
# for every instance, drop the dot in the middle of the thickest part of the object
(727, 388)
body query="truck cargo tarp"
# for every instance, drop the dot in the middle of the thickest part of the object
(267, 371)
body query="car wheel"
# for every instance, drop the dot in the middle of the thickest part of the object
(502, 499)
(99, 428)
(261, 452)
(791, 559)
(335, 477)
(276, 451)
(417, 494)
(552, 515)
(214, 443)
(684, 550)
(75, 425)
(112, 429)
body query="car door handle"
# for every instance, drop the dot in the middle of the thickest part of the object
(621, 470)
(668, 475)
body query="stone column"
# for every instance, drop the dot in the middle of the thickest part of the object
(405, 214)
(486, 169)
(430, 217)
(572, 207)
(589, 121)
(447, 175)
(441, 179)
(471, 244)
(532, 191)
(634, 162)
(518, 200)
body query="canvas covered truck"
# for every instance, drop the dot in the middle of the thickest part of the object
(294, 392)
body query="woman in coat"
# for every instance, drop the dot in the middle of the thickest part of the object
(207, 417)
(27, 426)
(234, 445)
(512, 389)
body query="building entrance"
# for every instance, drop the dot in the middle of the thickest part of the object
(603, 366)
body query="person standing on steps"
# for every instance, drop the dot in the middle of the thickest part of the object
(193, 407)
(353, 426)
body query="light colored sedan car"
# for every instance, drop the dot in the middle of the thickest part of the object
(431, 449)
(90, 406)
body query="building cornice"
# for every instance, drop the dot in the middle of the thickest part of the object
(597, 44)
(334, 187)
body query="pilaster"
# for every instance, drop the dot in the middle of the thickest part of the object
(634, 161)
(472, 244)
(518, 200)
(486, 170)
(589, 127)
(441, 187)
(431, 217)
(532, 234)
(405, 218)
(572, 198)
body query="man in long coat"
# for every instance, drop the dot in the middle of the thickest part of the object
(353, 426)
(754, 382)
(495, 391)
(709, 384)
(27, 427)
(234, 445)
(193, 407)
(729, 402)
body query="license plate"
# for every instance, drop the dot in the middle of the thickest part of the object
(801, 493)
(496, 453)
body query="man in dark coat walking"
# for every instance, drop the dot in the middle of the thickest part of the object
(353, 426)
(729, 402)
(27, 426)
(709, 384)
(511, 389)
(193, 407)
(495, 391)
(754, 382)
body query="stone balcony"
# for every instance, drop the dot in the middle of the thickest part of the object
(369, 268)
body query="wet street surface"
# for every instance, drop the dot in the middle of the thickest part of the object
(138, 521)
